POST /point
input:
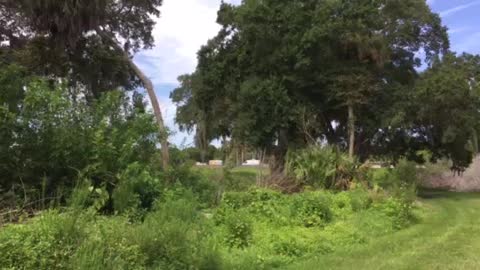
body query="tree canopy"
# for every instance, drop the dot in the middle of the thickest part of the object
(88, 43)
(283, 74)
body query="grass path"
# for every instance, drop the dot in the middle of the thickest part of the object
(448, 237)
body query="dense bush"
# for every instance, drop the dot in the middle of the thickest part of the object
(136, 190)
(173, 236)
(323, 167)
(48, 136)
(179, 219)
(399, 210)
(239, 180)
(405, 172)
(207, 191)
(239, 229)
(312, 208)
(259, 229)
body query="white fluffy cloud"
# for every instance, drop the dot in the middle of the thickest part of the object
(184, 26)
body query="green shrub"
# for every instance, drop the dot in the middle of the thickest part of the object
(267, 205)
(259, 229)
(262, 204)
(108, 246)
(239, 229)
(174, 236)
(237, 200)
(311, 208)
(382, 178)
(206, 191)
(401, 181)
(321, 167)
(341, 234)
(342, 205)
(314, 166)
(239, 180)
(289, 246)
(359, 199)
(406, 172)
(400, 211)
(46, 242)
(137, 190)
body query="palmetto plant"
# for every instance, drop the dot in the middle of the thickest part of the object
(321, 167)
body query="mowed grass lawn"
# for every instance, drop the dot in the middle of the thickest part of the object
(446, 237)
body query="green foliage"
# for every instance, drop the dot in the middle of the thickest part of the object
(137, 190)
(359, 199)
(312, 208)
(57, 47)
(108, 246)
(302, 64)
(399, 210)
(406, 172)
(321, 167)
(239, 180)
(174, 236)
(56, 137)
(239, 229)
(404, 175)
(207, 190)
(313, 166)
(347, 203)
(447, 100)
(259, 229)
(46, 243)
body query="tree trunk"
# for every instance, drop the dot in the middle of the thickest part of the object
(201, 141)
(277, 162)
(147, 83)
(243, 155)
(351, 131)
(237, 158)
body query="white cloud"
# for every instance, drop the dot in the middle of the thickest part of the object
(184, 26)
(459, 8)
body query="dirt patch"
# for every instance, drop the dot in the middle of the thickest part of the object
(470, 181)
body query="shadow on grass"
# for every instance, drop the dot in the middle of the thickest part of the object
(425, 193)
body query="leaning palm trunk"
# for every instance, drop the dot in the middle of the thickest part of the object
(147, 83)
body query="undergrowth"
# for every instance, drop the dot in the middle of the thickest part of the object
(159, 226)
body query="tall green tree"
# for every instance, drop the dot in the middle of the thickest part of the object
(194, 115)
(79, 40)
(375, 44)
(274, 60)
(446, 106)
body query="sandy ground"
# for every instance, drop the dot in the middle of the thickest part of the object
(470, 181)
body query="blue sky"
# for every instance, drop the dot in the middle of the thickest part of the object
(462, 17)
(185, 25)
